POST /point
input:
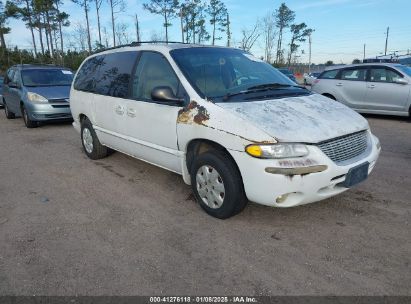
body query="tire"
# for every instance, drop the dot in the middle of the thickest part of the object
(330, 96)
(91, 144)
(27, 121)
(225, 177)
(9, 115)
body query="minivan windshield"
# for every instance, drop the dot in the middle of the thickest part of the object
(46, 77)
(223, 74)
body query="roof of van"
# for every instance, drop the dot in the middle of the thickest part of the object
(159, 46)
(38, 66)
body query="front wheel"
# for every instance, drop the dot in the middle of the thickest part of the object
(27, 121)
(9, 115)
(217, 185)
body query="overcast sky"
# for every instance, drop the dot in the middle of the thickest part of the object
(342, 27)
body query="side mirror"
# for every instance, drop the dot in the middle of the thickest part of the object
(401, 81)
(12, 84)
(165, 94)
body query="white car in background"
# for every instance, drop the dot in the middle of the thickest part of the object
(310, 77)
(378, 88)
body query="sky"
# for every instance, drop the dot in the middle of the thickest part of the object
(342, 27)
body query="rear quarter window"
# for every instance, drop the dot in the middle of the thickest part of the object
(88, 73)
(329, 74)
(107, 74)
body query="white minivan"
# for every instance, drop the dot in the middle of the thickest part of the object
(234, 127)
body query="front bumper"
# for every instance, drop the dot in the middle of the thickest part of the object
(48, 111)
(287, 190)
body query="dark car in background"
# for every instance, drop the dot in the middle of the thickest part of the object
(1, 90)
(37, 93)
(288, 73)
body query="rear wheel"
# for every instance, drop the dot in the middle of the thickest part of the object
(91, 144)
(9, 115)
(217, 185)
(330, 96)
(27, 121)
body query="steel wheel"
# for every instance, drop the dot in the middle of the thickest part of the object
(210, 186)
(87, 140)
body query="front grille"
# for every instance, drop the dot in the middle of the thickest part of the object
(346, 147)
(58, 100)
(58, 116)
(61, 106)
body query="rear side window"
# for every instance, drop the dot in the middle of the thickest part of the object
(86, 77)
(115, 73)
(353, 74)
(329, 74)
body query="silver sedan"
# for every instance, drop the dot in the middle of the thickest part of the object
(378, 88)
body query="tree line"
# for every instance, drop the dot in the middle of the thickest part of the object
(200, 21)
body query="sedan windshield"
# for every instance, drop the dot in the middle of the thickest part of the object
(46, 77)
(405, 69)
(221, 73)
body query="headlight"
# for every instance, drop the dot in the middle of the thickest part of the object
(277, 150)
(34, 97)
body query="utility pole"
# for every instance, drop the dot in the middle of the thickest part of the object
(182, 25)
(228, 31)
(386, 40)
(363, 58)
(137, 28)
(309, 53)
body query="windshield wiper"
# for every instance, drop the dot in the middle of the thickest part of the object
(261, 88)
(273, 85)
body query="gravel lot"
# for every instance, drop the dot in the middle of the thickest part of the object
(118, 226)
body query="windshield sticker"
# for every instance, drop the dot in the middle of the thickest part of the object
(252, 58)
(66, 72)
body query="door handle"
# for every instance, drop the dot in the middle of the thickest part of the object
(339, 84)
(371, 86)
(119, 110)
(131, 112)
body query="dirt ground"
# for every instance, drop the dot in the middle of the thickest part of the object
(118, 226)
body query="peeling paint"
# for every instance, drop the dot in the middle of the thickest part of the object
(290, 172)
(309, 119)
(193, 113)
(239, 136)
(297, 163)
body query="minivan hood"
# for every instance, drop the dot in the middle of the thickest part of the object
(308, 119)
(52, 92)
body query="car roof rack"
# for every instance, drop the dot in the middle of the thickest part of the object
(138, 43)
